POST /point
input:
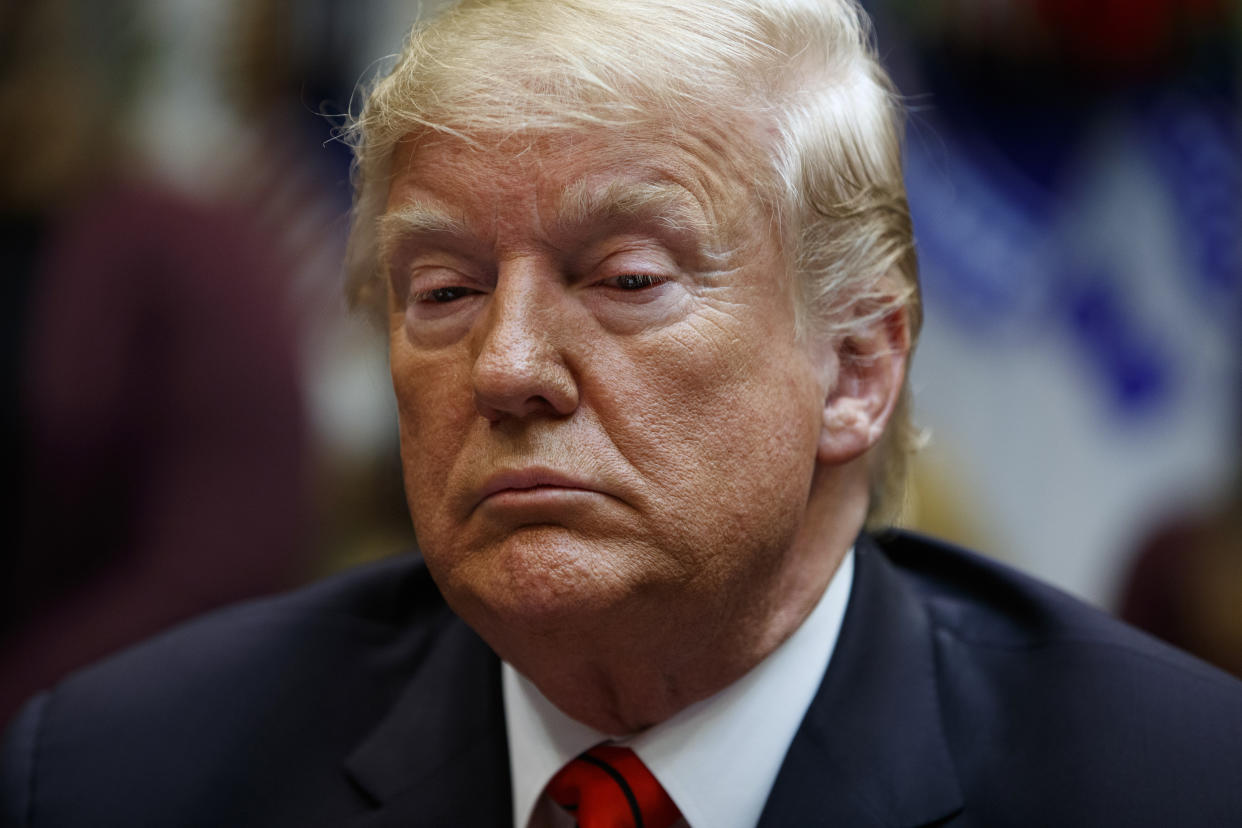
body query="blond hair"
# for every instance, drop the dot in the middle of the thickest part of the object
(803, 71)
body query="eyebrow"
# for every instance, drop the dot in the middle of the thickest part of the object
(414, 219)
(667, 206)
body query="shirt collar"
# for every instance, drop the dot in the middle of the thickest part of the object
(719, 757)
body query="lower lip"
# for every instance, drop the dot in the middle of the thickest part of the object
(543, 502)
(537, 494)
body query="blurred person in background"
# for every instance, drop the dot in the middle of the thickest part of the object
(154, 419)
(283, 66)
(1185, 582)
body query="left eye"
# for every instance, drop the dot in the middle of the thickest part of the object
(634, 281)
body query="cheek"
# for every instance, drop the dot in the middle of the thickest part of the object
(435, 410)
(721, 422)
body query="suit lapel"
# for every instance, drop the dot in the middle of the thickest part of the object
(871, 750)
(440, 758)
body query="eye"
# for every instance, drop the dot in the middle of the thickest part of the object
(441, 295)
(634, 281)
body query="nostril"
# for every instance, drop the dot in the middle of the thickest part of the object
(536, 406)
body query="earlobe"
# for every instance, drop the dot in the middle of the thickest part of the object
(845, 433)
(871, 368)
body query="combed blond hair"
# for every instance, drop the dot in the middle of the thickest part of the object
(803, 71)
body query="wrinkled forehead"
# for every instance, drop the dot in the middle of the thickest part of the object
(702, 178)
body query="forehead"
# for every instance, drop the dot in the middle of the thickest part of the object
(697, 180)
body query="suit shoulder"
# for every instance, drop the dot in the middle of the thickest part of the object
(984, 603)
(338, 618)
(290, 682)
(1091, 713)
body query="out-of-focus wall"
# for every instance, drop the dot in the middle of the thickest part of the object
(1075, 176)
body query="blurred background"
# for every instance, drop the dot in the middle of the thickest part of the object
(192, 418)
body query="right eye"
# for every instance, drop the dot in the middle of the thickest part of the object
(441, 295)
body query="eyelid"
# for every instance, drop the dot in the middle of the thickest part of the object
(622, 256)
(423, 280)
(653, 279)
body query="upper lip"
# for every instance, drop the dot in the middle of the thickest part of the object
(529, 478)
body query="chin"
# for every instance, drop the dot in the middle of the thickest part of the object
(539, 580)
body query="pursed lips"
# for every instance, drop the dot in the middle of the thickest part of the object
(531, 479)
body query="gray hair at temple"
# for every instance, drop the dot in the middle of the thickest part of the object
(802, 72)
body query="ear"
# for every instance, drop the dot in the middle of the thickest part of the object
(871, 367)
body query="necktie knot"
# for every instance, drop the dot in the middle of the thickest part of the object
(610, 787)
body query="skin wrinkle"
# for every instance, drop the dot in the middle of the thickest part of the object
(641, 202)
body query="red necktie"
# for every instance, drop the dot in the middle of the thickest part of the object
(610, 787)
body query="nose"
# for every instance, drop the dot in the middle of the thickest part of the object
(520, 369)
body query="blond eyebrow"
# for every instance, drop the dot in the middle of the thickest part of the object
(668, 206)
(414, 219)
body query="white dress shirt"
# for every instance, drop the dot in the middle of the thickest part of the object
(717, 759)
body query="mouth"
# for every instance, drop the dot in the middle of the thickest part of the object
(534, 483)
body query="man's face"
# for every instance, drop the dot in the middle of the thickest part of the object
(604, 407)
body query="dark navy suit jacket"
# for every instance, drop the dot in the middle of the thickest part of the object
(960, 693)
